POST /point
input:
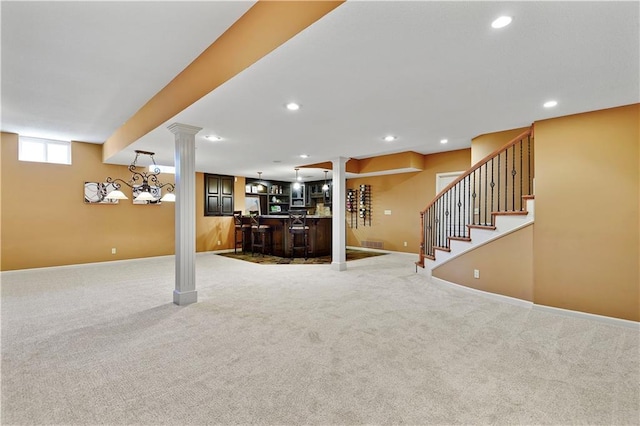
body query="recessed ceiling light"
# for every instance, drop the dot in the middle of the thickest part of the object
(444, 140)
(304, 156)
(550, 104)
(292, 106)
(213, 137)
(390, 138)
(501, 22)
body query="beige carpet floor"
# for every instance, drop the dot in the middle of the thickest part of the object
(299, 344)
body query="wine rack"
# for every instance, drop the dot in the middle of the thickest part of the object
(352, 207)
(364, 205)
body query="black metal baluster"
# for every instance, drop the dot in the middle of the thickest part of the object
(464, 207)
(492, 184)
(433, 224)
(473, 222)
(506, 181)
(521, 173)
(529, 162)
(498, 197)
(480, 196)
(448, 215)
(513, 178)
(456, 194)
(459, 208)
(486, 195)
(438, 220)
(470, 208)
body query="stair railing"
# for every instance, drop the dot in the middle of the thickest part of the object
(495, 184)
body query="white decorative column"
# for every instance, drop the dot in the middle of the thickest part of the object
(185, 163)
(338, 223)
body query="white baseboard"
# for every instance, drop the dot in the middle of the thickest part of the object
(486, 294)
(416, 255)
(584, 315)
(78, 265)
(215, 251)
(550, 309)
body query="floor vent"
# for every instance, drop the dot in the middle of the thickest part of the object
(372, 244)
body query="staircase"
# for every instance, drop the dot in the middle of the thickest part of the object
(493, 198)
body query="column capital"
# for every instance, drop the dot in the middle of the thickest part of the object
(177, 128)
(340, 160)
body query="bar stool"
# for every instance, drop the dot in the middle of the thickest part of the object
(239, 231)
(260, 233)
(298, 226)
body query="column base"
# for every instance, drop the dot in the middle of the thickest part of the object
(185, 298)
(339, 266)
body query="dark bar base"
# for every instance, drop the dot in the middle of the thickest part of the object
(319, 235)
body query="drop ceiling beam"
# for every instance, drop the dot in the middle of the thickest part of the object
(263, 28)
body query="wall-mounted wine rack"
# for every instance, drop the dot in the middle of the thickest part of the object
(364, 205)
(352, 207)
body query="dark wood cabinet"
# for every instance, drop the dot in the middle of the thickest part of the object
(218, 195)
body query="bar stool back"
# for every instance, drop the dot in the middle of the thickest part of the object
(261, 234)
(298, 226)
(240, 231)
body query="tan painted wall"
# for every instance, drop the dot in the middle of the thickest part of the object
(45, 222)
(405, 194)
(483, 145)
(586, 236)
(505, 265)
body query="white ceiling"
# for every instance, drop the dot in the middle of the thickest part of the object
(420, 70)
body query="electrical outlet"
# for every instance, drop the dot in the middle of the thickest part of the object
(405, 243)
(113, 250)
(219, 242)
(476, 273)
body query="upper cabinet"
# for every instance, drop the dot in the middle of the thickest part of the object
(218, 195)
(298, 195)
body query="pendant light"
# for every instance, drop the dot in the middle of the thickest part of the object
(260, 185)
(296, 184)
(325, 187)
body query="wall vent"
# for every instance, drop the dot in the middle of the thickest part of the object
(372, 244)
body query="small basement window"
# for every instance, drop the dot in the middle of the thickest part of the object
(44, 150)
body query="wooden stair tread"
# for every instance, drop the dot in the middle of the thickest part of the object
(489, 227)
(442, 248)
(511, 213)
(467, 239)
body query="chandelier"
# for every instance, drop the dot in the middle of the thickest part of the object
(145, 184)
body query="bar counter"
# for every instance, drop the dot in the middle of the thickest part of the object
(319, 235)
